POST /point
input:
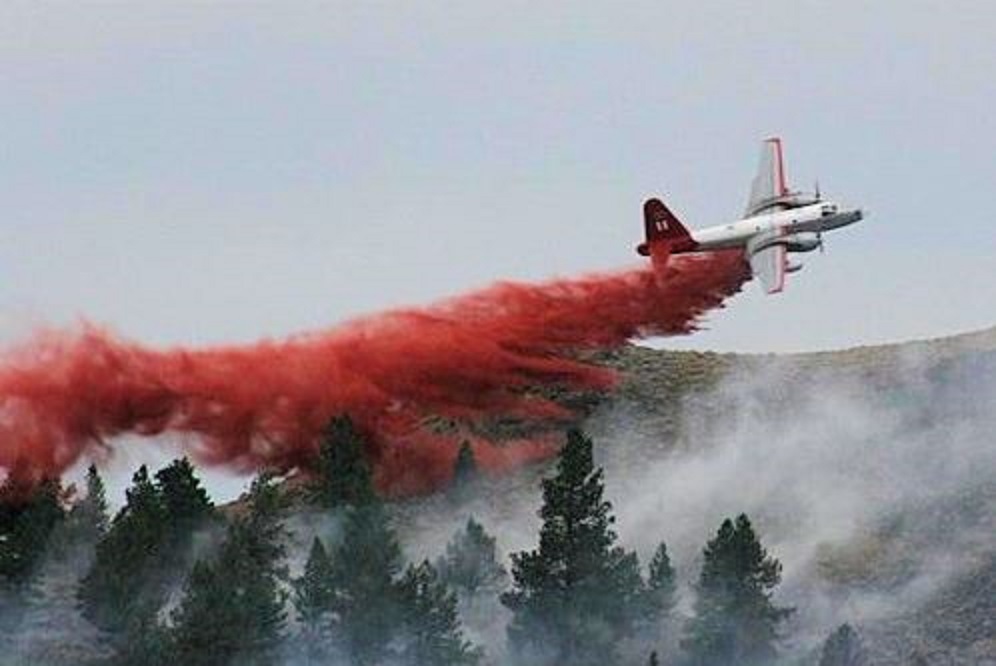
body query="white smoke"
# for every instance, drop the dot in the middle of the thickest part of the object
(873, 494)
(829, 466)
(856, 486)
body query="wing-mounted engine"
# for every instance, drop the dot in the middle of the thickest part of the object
(802, 242)
(768, 256)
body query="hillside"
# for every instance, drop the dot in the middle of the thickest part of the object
(871, 470)
(870, 473)
(953, 621)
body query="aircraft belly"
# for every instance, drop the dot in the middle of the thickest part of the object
(721, 239)
(725, 244)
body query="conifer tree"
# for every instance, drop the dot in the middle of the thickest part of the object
(51, 622)
(843, 648)
(122, 582)
(145, 546)
(28, 516)
(145, 642)
(185, 502)
(205, 621)
(359, 596)
(92, 509)
(470, 564)
(661, 587)
(465, 469)
(735, 620)
(578, 594)
(432, 633)
(343, 475)
(87, 521)
(365, 565)
(313, 591)
(233, 607)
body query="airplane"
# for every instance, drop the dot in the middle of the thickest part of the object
(777, 221)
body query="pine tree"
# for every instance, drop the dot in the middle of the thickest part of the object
(145, 547)
(470, 564)
(362, 613)
(184, 500)
(145, 642)
(39, 618)
(735, 621)
(465, 470)
(364, 602)
(343, 475)
(843, 648)
(87, 521)
(661, 587)
(125, 578)
(313, 591)
(206, 621)
(28, 517)
(432, 633)
(233, 608)
(578, 594)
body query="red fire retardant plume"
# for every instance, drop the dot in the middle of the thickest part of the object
(65, 394)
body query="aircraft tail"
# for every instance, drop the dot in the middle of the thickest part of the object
(663, 229)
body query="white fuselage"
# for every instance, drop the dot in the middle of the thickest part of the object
(805, 221)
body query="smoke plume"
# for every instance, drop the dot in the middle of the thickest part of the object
(66, 394)
(877, 497)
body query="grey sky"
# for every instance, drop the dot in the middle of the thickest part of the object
(195, 173)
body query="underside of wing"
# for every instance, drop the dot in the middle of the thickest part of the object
(769, 266)
(769, 185)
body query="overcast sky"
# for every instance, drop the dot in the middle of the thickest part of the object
(199, 173)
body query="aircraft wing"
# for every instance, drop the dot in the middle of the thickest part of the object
(769, 265)
(769, 185)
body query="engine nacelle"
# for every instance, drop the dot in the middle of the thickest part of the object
(801, 242)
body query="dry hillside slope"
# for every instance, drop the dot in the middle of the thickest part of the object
(871, 471)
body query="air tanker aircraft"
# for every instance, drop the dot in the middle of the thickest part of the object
(777, 221)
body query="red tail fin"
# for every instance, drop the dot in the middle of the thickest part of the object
(662, 226)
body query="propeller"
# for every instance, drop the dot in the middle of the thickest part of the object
(819, 197)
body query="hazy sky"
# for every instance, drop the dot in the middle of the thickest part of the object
(201, 173)
(194, 173)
